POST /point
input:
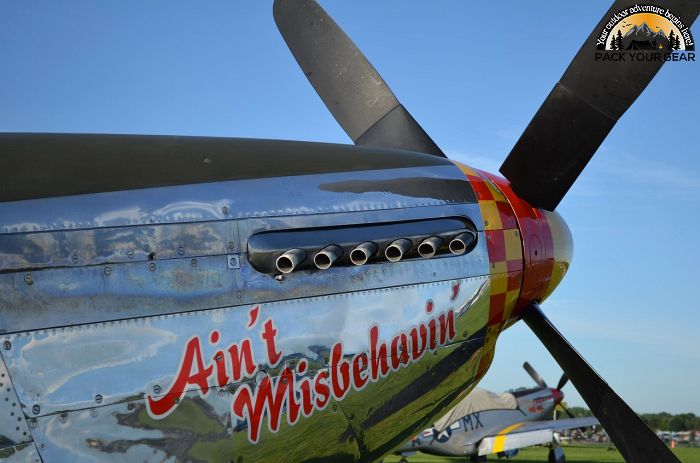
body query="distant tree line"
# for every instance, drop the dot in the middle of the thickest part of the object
(674, 423)
(657, 421)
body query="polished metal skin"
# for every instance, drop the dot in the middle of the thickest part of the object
(105, 298)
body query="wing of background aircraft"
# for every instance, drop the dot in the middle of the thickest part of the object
(529, 433)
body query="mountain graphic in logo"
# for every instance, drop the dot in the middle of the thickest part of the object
(643, 38)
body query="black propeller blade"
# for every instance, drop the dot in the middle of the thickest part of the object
(633, 438)
(566, 410)
(348, 84)
(562, 381)
(534, 375)
(578, 114)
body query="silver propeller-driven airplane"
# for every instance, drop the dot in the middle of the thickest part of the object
(167, 298)
(485, 422)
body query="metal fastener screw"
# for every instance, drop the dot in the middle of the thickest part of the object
(98, 398)
(130, 254)
(181, 250)
(157, 389)
(130, 406)
(7, 345)
(152, 266)
(74, 258)
(93, 412)
(63, 417)
(33, 423)
(28, 279)
(225, 210)
(231, 245)
(279, 277)
(108, 271)
(193, 262)
(233, 262)
(36, 409)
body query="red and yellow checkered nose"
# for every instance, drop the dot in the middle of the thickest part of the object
(547, 247)
(530, 249)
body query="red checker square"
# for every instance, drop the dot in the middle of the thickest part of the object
(496, 245)
(482, 190)
(514, 280)
(514, 265)
(507, 215)
(498, 303)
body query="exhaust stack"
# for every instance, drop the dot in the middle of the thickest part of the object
(460, 243)
(287, 262)
(429, 246)
(326, 256)
(362, 252)
(396, 250)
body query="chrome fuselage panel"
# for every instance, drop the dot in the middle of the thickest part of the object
(103, 296)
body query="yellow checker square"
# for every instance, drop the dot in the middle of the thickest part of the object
(489, 211)
(511, 299)
(514, 249)
(466, 169)
(497, 195)
(499, 267)
(499, 283)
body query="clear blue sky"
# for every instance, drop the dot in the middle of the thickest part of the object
(473, 76)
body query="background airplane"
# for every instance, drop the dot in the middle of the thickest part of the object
(485, 422)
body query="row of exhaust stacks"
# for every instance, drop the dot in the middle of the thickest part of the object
(362, 253)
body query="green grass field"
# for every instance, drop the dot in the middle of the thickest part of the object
(574, 454)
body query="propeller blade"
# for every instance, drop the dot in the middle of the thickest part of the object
(352, 90)
(578, 114)
(562, 381)
(534, 375)
(566, 410)
(633, 438)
